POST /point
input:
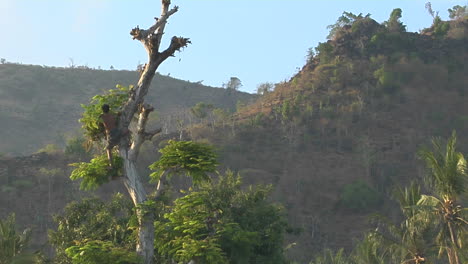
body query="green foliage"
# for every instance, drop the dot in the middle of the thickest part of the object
(388, 81)
(369, 251)
(394, 24)
(91, 118)
(13, 244)
(201, 110)
(192, 158)
(448, 179)
(265, 88)
(324, 52)
(221, 115)
(49, 149)
(448, 175)
(458, 12)
(440, 27)
(347, 19)
(96, 172)
(100, 252)
(76, 147)
(220, 223)
(233, 84)
(360, 196)
(91, 219)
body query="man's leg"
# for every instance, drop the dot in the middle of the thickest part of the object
(109, 156)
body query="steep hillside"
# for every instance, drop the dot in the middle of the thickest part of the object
(38, 105)
(341, 134)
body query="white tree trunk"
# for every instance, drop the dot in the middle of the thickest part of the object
(128, 151)
(133, 183)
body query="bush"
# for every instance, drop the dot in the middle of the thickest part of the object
(49, 149)
(76, 147)
(360, 196)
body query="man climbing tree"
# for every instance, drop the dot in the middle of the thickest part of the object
(129, 147)
(113, 134)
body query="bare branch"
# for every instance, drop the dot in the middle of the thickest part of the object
(161, 185)
(176, 44)
(151, 37)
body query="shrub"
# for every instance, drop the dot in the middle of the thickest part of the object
(360, 196)
(49, 149)
(76, 147)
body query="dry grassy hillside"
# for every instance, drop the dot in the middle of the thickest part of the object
(41, 105)
(341, 134)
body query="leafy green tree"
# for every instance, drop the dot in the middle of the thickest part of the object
(324, 52)
(394, 24)
(265, 88)
(360, 196)
(132, 108)
(347, 19)
(369, 251)
(13, 244)
(412, 241)
(233, 84)
(201, 110)
(458, 12)
(440, 27)
(447, 177)
(218, 222)
(221, 115)
(92, 223)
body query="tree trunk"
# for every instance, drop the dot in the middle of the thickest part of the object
(133, 183)
(129, 151)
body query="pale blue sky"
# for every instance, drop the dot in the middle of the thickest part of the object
(255, 40)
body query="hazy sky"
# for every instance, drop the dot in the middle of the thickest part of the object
(255, 40)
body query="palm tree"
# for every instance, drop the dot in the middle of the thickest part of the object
(447, 178)
(411, 241)
(370, 250)
(12, 244)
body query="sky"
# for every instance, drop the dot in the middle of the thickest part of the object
(256, 41)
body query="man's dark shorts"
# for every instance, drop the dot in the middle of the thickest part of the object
(113, 138)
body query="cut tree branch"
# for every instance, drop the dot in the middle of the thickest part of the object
(151, 38)
(176, 44)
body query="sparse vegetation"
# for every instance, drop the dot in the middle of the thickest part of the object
(334, 141)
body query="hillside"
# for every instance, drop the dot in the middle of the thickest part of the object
(41, 105)
(334, 140)
(340, 135)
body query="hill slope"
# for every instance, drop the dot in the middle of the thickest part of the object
(341, 134)
(38, 105)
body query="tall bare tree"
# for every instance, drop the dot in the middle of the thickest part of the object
(128, 151)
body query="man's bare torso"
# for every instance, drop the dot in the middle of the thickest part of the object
(109, 121)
